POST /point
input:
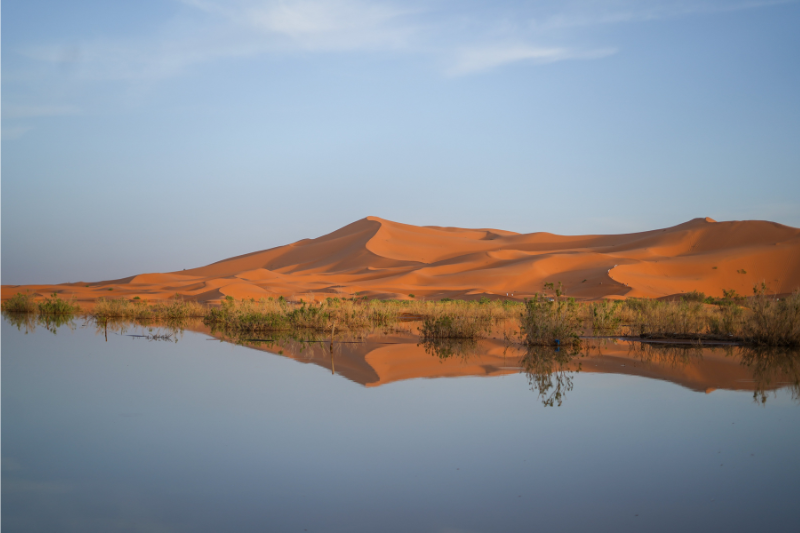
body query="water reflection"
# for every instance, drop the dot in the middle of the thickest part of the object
(29, 322)
(451, 348)
(672, 355)
(382, 356)
(550, 372)
(773, 369)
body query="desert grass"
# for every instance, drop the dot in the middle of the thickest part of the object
(760, 320)
(331, 315)
(446, 326)
(173, 309)
(54, 305)
(773, 322)
(483, 309)
(549, 318)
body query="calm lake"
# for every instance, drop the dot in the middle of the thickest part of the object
(119, 431)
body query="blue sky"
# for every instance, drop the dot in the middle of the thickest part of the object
(162, 134)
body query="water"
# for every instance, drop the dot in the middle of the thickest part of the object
(200, 435)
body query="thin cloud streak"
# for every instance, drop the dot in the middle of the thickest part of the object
(464, 42)
(320, 24)
(477, 59)
(586, 13)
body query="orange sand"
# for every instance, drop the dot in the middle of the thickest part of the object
(383, 259)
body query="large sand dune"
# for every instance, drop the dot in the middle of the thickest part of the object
(383, 259)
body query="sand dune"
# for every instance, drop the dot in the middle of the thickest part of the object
(384, 259)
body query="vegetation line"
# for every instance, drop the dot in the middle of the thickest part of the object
(547, 319)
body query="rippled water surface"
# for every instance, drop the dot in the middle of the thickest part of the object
(382, 433)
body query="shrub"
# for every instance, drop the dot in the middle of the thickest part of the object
(455, 327)
(550, 321)
(693, 296)
(20, 303)
(56, 306)
(605, 316)
(773, 322)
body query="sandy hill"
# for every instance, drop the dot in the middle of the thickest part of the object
(384, 259)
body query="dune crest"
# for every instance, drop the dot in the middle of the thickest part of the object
(383, 259)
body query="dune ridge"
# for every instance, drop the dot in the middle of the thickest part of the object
(383, 259)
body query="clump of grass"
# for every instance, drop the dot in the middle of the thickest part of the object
(773, 322)
(173, 309)
(56, 306)
(454, 327)
(275, 315)
(20, 303)
(694, 296)
(729, 318)
(550, 321)
(654, 318)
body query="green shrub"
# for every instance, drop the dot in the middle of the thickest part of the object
(550, 321)
(455, 327)
(56, 306)
(605, 317)
(20, 303)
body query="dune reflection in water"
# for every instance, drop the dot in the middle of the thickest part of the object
(383, 356)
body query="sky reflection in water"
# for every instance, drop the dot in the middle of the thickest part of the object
(199, 435)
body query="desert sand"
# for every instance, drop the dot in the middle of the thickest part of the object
(378, 258)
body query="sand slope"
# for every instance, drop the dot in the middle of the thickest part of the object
(385, 259)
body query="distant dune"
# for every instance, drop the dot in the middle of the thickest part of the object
(383, 259)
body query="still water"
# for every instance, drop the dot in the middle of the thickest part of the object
(135, 434)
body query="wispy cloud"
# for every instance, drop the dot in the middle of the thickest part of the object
(476, 59)
(319, 24)
(459, 36)
(587, 13)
